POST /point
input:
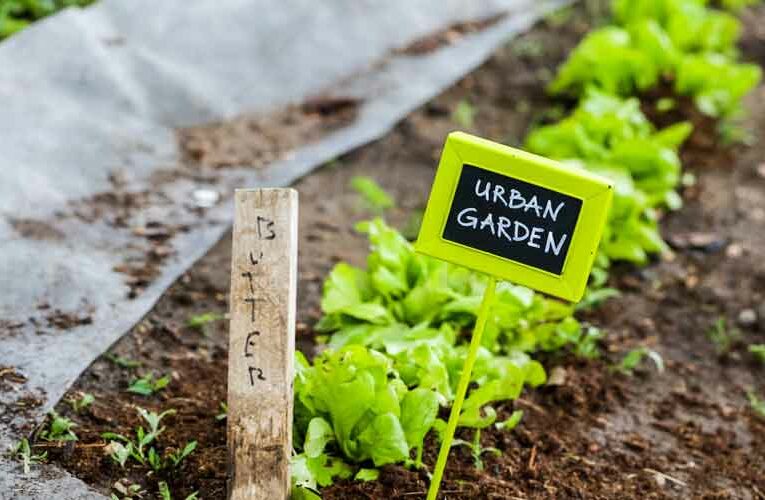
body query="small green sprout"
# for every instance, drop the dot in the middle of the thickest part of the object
(223, 411)
(757, 404)
(123, 447)
(367, 475)
(60, 429)
(511, 422)
(122, 362)
(164, 492)
(586, 346)
(79, 405)
(23, 452)
(375, 198)
(127, 490)
(528, 47)
(464, 114)
(199, 321)
(635, 357)
(665, 104)
(147, 385)
(722, 337)
(476, 449)
(594, 297)
(177, 457)
(559, 17)
(759, 352)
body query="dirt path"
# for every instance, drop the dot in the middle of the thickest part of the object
(687, 433)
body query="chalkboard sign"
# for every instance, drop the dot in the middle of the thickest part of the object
(513, 219)
(515, 216)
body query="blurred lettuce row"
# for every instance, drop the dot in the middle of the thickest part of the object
(395, 351)
(611, 136)
(683, 42)
(16, 15)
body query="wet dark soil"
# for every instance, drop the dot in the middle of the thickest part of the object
(597, 434)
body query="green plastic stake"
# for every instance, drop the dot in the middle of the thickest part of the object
(467, 370)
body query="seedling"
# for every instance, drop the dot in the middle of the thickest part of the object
(464, 114)
(375, 198)
(122, 362)
(367, 475)
(476, 450)
(723, 337)
(757, 404)
(528, 47)
(147, 385)
(586, 346)
(635, 357)
(122, 447)
(199, 321)
(223, 411)
(127, 490)
(23, 452)
(759, 352)
(595, 297)
(60, 429)
(79, 405)
(511, 422)
(177, 457)
(164, 492)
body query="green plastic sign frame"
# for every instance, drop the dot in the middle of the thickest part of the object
(521, 168)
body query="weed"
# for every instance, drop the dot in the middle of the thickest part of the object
(411, 228)
(127, 491)
(757, 404)
(476, 450)
(594, 298)
(722, 337)
(367, 475)
(223, 411)
(511, 422)
(164, 493)
(60, 429)
(559, 17)
(23, 452)
(375, 198)
(177, 457)
(528, 47)
(586, 346)
(759, 352)
(199, 321)
(635, 357)
(122, 362)
(464, 114)
(122, 448)
(79, 405)
(147, 385)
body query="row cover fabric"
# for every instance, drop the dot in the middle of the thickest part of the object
(85, 91)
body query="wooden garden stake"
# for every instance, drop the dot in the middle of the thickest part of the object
(514, 216)
(262, 343)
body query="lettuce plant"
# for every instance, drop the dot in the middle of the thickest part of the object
(680, 41)
(689, 24)
(610, 136)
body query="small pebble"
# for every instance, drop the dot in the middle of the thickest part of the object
(206, 198)
(557, 376)
(761, 170)
(747, 317)
(660, 480)
(734, 251)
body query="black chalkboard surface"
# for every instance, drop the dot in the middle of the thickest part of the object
(511, 218)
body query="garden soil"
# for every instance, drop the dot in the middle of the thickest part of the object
(686, 433)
